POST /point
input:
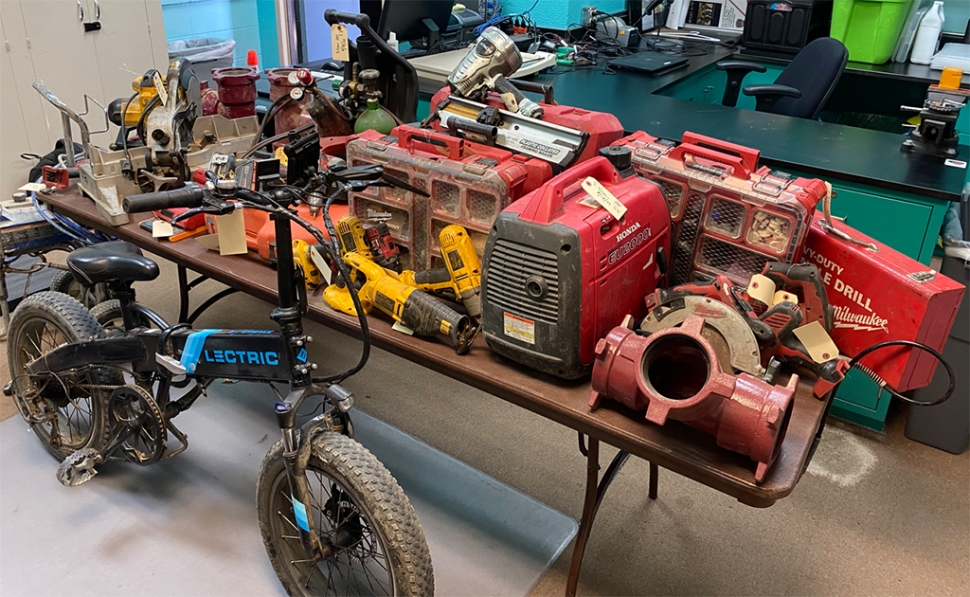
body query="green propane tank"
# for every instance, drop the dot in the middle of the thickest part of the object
(375, 118)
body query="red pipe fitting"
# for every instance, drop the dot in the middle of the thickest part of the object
(675, 373)
(237, 90)
(291, 115)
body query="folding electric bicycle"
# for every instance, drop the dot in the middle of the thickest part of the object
(333, 519)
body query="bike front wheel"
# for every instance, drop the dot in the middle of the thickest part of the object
(359, 511)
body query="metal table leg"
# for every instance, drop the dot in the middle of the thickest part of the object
(183, 277)
(595, 490)
(184, 303)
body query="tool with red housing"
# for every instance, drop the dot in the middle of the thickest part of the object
(560, 270)
(563, 136)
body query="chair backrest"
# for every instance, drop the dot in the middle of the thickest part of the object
(815, 70)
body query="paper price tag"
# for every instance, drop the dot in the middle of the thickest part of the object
(400, 327)
(761, 289)
(160, 88)
(162, 229)
(605, 198)
(232, 233)
(781, 296)
(321, 264)
(817, 342)
(339, 43)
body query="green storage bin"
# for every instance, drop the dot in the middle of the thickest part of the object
(869, 28)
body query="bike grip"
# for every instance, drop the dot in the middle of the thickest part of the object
(190, 195)
(546, 201)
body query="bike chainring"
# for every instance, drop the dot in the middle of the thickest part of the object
(140, 422)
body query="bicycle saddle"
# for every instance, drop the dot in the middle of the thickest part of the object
(109, 262)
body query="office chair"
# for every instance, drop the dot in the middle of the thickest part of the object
(801, 90)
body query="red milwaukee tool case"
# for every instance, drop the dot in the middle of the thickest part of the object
(729, 216)
(469, 184)
(602, 128)
(880, 294)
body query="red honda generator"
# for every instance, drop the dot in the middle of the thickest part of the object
(729, 216)
(563, 136)
(469, 185)
(561, 271)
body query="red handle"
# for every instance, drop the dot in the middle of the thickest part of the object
(411, 138)
(547, 200)
(743, 160)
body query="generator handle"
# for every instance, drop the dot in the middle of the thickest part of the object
(409, 138)
(547, 201)
(744, 160)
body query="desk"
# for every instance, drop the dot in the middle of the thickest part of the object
(675, 446)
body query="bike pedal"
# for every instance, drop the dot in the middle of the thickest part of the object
(78, 468)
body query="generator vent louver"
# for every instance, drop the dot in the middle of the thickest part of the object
(510, 266)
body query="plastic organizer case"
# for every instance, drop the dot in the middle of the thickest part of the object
(468, 183)
(729, 216)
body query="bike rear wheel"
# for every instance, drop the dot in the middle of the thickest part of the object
(68, 412)
(358, 510)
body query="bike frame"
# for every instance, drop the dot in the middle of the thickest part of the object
(248, 355)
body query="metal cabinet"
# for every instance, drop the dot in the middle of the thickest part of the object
(76, 47)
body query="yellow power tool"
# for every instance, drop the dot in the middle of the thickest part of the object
(303, 258)
(145, 86)
(461, 278)
(414, 309)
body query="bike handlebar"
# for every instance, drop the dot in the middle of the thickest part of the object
(190, 195)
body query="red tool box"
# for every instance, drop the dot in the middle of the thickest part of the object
(729, 216)
(880, 294)
(600, 128)
(469, 184)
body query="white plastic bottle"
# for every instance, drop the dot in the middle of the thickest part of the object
(392, 41)
(928, 35)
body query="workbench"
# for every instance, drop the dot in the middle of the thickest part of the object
(675, 446)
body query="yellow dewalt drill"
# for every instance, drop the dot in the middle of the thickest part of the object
(414, 309)
(461, 278)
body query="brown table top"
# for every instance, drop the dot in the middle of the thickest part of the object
(674, 446)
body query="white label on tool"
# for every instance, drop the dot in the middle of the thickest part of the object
(605, 198)
(160, 88)
(321, 264)
(338, 42)
(162, 229)
(761, 288)
(955, 163)
(400, 327)
(782, 297)
(817, 342)
(520, 328)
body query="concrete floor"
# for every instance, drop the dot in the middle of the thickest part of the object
(875, 514)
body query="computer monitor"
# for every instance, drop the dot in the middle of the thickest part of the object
(412, 20)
